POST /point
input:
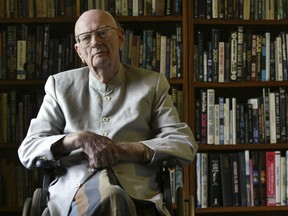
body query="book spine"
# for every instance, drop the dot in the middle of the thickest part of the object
(240, 41)
(233, 70)
(270, 181)
(221, 67)
(226, 176)
(214, 181)
(203, 116)
(210, 115)
(215, 47)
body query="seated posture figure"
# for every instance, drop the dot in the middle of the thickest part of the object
(109, 124)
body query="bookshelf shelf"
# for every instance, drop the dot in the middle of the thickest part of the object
(255, 209)
(201, 43)
(239, 22)
(243, 84)
(55, 20)
(241, 147)
(21, 82)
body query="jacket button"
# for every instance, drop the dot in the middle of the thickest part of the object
(90, 170)
(107, 98)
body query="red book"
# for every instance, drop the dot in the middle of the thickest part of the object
(270, 179)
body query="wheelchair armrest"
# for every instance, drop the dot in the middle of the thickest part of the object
(48, 167)
(167, 165)
(44, 163)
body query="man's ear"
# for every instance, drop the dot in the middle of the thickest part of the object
(77, 48)
(121, 38)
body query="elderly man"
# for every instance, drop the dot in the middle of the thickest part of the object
(109, 124)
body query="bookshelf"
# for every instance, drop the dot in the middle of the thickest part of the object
(61, 30)
(242, 90)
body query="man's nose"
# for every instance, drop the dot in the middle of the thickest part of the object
(95, 38)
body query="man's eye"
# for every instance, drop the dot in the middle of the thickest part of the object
(86, 37)
(102, 33)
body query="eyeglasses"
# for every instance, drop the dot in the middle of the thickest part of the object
(102, 33)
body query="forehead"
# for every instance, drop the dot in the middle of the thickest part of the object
(92, 20)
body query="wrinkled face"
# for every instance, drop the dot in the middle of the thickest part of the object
(98, 39)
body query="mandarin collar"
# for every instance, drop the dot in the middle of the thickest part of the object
(111, 85)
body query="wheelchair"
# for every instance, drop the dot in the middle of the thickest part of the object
(35, 206)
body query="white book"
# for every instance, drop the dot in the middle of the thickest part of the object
(205, 65)
(21, 59)
(118, 7)
(227, 121)
(215, 9)
(233, 66)
(163, 42)
(272, 117)
(247, 176)
(210, 115)
(216, 125)
(246, 9)
(124, 7)
(221, 65)
(233, 121)
(278, 59)
(269, 10)
(135, 8)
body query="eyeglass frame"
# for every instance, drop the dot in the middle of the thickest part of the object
(95, 31)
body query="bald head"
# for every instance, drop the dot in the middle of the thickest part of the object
(93, 19)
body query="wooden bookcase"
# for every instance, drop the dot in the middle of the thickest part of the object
(63, 27)
(241, 90)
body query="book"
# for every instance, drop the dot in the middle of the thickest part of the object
(247, 177)
(226, 176)
(227, 121)
(215, 54)
(204, 180)
(236, 198)
(272, 117)
(255, 119)
(282, 113)
(255, 177)
(240, 42)
(4, 117)
(283, 179)
(216, 125)
(221, 120)
(22, 32)
(163, 52)
(158, 7)
(242, 178)
(270, 179)
(198, 180)
(221, 69)
(214, 181)
(11, 52)
(262, 178)
(278, 177)
(210, 115)
(233, 66)
(203, 116)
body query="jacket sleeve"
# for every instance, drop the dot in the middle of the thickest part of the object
(44, 130)
(172, 137)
